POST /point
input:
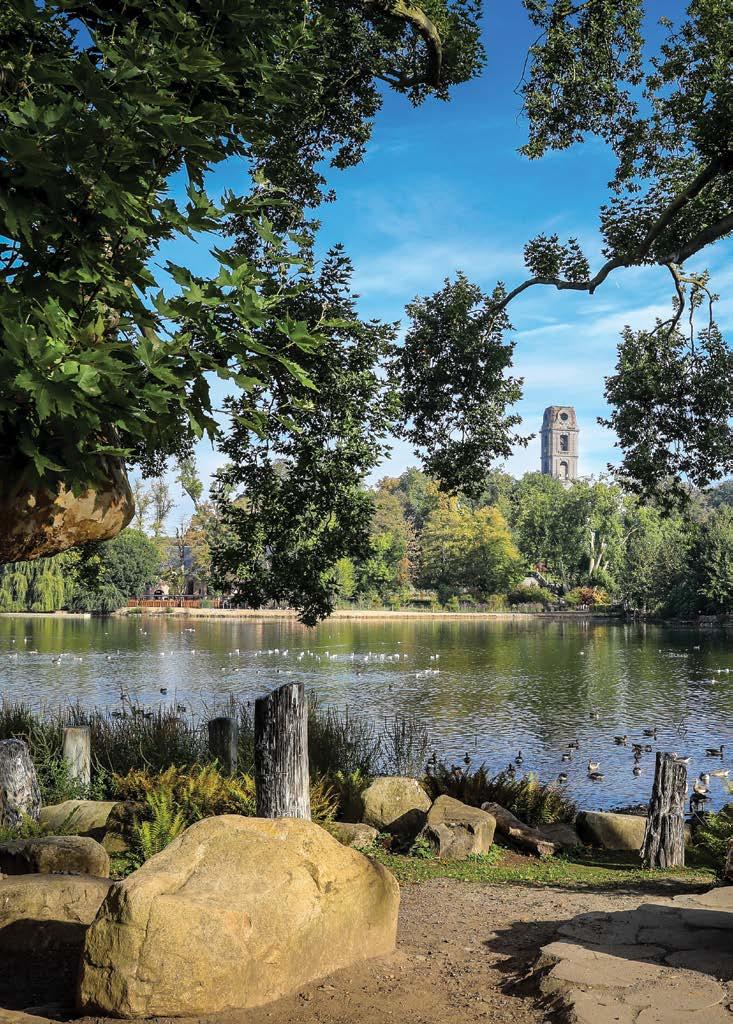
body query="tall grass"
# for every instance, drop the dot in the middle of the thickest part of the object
(133, 737)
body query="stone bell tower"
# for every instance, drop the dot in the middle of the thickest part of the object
(560, 442)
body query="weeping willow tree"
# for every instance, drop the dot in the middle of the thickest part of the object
(45, 585)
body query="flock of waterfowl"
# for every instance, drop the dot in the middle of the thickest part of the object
(700, 786)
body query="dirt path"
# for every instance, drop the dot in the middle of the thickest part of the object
(460, 946)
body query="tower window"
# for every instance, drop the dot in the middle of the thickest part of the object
(563, 470)
(564, 442)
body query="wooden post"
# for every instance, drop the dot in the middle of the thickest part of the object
(664, 839)
(20, 796)
(77, 752)
(223, 743)
(281, 753)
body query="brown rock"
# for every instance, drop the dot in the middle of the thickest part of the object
(611, 831)
(40, 912)
(357, 835)
(107, 821)
(43, 521)
(235, 913)
(20, 796)
(456, 830)
(76, 855)
(394, 803)
(728, 871)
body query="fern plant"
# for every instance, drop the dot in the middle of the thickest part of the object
(165, 823)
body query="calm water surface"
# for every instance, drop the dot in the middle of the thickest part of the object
(491, 688)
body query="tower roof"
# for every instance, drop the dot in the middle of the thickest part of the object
(559, 416)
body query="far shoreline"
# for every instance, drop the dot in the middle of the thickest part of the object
(384, 615)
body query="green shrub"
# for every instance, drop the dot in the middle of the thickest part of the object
(164, 823)
(526, 594)
(422, 849)
(496, 602)
(532, 801)
(590, 596)
(713, 836)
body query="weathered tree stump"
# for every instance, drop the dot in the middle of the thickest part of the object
(664, 838)
(19, 793)
(223, 743)
(77, 752)
(281, 753)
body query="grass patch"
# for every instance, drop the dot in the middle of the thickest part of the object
(582, 870)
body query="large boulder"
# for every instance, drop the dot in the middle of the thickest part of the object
(357, 835)
(396, 804)
(456, 830)
(42, 912)
(108, 821)
(20, 796)
(235, 913)
(611, 831)
(76, 855)
(728, 869)
(36, 521)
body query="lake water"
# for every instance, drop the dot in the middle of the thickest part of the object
(489, 688)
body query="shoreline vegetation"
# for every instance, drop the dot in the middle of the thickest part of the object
(157, 766)
(389, 614)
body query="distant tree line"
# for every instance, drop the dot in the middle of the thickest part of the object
(591, 543)
(528, 541)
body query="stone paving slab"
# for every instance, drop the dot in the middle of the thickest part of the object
(669, 961)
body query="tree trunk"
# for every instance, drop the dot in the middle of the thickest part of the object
(223, 743)
(281, 753)
(523, 835)
(664, 839)
(19, 793)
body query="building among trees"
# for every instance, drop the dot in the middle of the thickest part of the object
(560, 442)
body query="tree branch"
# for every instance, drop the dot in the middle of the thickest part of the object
(424, 27)
(719, 166)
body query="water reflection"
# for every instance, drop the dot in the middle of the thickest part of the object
(490, 688)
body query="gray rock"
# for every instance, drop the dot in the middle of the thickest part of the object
(396, 804)
(456, 830)
(563, 835)
(354, 834)
(19, 793)
(611, 831)
(75, 855)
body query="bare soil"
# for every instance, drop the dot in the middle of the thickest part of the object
(463, 949)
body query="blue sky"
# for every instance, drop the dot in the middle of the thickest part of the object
(443, 188)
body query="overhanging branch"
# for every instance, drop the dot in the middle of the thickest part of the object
(425, 28)
(712, 233)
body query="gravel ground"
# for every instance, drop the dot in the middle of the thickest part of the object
(461, 949)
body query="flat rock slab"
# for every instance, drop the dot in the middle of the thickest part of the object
(669, 961)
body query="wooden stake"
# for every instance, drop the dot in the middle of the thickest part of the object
(281, 753)
(664, 838)
(77, 752)
(224, 743)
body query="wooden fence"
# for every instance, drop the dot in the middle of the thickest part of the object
(175, 602)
